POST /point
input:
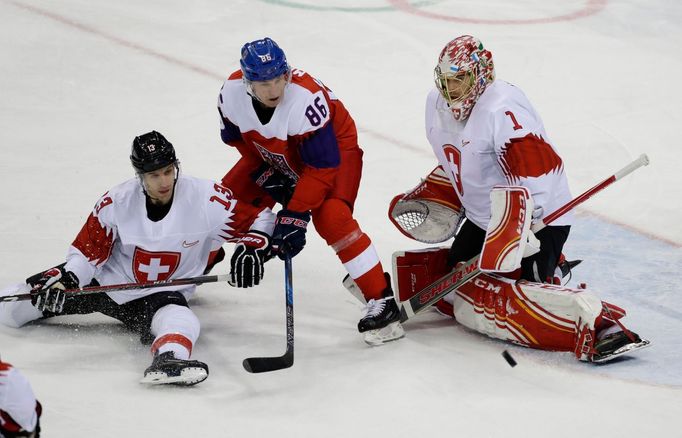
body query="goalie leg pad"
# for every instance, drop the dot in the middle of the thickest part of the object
(414, 270)
(536, 315)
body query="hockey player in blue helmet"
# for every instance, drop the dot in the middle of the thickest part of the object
(299, 148)
(266, 71)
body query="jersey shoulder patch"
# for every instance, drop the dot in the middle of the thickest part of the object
(305, 80)
(237, 74)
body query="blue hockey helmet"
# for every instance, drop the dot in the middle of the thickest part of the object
(263, 60)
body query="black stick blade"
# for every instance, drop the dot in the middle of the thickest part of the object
(266, 364)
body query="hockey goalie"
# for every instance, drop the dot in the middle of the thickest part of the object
(495, 301)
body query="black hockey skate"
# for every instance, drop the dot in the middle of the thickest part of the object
(166, 369)
(381, 322)
(617, 344)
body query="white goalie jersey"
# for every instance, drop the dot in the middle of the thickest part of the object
(120, 244)
(503, 142)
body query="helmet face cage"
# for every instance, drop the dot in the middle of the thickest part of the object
(464, 54)
(465, 80)
(263, 60)
(143, 184)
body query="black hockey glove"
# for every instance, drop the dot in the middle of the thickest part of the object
(246, 265)
(279, 186)
(48, 288)
(289, 234)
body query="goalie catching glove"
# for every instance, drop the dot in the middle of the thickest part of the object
(48, 288)
(430, 212)
(250, 254)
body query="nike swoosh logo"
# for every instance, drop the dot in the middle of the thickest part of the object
(190, 244)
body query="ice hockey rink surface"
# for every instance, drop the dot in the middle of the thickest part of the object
(80, 79)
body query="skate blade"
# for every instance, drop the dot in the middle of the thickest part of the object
(625, 349)
(391, 332)
(187, 377)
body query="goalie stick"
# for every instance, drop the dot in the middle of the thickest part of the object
(466, 271)
(126, 286)
(265, 364)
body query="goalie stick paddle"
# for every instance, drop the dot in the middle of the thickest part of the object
(127, 286)
(265, 364)
(466, 271)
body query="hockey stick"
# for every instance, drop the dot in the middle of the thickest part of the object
(127, 286)
(265, 364)
(465, 272)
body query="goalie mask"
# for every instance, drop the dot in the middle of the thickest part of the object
(463, 72)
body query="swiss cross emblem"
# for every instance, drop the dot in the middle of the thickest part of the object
(154, 266)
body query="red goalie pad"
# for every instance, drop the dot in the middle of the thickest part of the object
(535, 315)
(414, 270)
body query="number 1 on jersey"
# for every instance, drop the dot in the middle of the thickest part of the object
(513, 119)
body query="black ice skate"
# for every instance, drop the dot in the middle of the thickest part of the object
(617, 344)
(166, 369)
(381, 322)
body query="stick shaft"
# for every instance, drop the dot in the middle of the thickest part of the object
(129, 286)
(642, 160)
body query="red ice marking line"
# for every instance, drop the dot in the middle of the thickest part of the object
(649, 234)
(197, 69)
(117, 40)
(591, 7)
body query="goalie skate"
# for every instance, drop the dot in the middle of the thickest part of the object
(166, 369)
(621, 345)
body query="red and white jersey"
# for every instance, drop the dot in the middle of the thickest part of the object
(503, 142)
(310, 137)
(17, 402)
(120, 244)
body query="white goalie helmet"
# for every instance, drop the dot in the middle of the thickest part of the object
(463, 72)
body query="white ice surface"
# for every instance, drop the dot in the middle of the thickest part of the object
(81, 78)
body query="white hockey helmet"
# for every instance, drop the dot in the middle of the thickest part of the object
(465, 66)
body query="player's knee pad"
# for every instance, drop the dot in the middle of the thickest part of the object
(17, 313)
(176, 319)
(334, 222)
(176, 328)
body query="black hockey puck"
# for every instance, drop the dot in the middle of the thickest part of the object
(508, 357)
